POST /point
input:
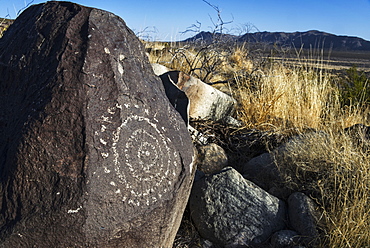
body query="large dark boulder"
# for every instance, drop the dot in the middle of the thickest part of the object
(92, 154)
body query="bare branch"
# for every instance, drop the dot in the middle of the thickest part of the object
(147, 33)
(219, 25)
(25, 7)
(194, 28)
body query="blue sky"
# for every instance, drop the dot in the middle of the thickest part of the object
(170, 17)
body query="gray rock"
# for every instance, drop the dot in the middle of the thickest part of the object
(302, 141)
(284, 238)
(233, 122)
(211, 158)
(360, 135)
(304, 217)
(159, 69)
(280, 191)
(231, 211)
(92, 152)
(206, 102)
(199, 175)
(263, 171)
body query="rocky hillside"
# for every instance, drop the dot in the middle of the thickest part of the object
(309, 39)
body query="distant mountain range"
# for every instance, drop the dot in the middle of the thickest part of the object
(311, 39)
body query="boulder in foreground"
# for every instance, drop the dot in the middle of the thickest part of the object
(92, 154)
(231, 211)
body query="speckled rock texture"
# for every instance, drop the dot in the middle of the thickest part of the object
(231, 211)
(92, 153)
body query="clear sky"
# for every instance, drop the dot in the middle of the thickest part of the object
(165, 19)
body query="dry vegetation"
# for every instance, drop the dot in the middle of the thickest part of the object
(303, 98)
(4, 24)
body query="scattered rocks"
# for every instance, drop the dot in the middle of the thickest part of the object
(92, 153)
(231, 211)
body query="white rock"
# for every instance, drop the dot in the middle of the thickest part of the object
(159, 69)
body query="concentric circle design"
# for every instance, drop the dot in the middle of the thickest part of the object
(144, 161)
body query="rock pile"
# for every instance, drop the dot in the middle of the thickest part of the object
(245, 208)
(232, 211)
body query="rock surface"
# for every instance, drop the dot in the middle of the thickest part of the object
(178, 99)
(206, 102)
(231, 211)
(92, 154)
(262, 170)
(211, 158)
(360, 134)
(159, 69)
(304, 217)
(284, 238)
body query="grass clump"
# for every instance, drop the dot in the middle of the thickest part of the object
(334, 170)
(286, 98)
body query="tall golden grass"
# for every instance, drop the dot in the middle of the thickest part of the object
(297, 99)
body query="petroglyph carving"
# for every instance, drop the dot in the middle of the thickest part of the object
(152, 164)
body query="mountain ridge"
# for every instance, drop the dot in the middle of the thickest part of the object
(308, 39)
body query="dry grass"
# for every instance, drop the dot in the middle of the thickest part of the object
(297, 98)
(4, 24)
(294, 97)
(331, 167)
(285, 98)
(335, 171)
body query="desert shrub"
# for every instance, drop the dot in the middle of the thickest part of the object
(355, 88)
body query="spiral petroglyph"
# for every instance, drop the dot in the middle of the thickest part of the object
(143, 160)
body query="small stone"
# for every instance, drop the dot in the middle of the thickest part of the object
(284, 238)
(211, 158)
